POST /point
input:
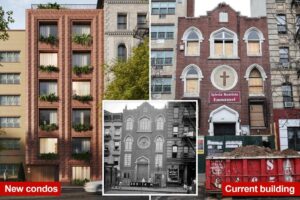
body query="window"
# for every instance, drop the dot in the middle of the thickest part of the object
(10, 169)
(9, 122)
(10, 143)
(191, 81)
(192, 38)
(129, 124)
(47, 30)
(128, 143)
(107, 130)
(81, 173)
(257, 118)
(48, 87)
(144, 124)
(162, 32)
(9, 56)
(175, 131)
(161, 58)
(224, 44)
(116, 146)
(255, 83)
(81, 117)
(122, 21)
(47, 59)
(176, 112)
(48, 117)
(81, 59)
(161, 85)
(160, 123)
(163, 8)
(158, 160)
(127, 160)
(186, 150)
(117, 131)
(48, 145)
(223, 17)
(294, 138)
(9, 78)
(122, 52)
(281, 23)
(287, 94)
(80, 29)
(254, 41)
(159, 144)
(81, 145)
(283, 55)
(81, 88)
(174, 151)
(141, 19)
(9, 100)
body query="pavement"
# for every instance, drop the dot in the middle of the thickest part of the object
(147, 190)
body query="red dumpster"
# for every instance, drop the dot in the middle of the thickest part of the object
(221, 169)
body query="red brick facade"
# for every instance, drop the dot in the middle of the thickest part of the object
(239, 25)
(64, 19)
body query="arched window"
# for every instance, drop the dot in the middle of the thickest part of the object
(254, 38)
(128, 143)
(144, 124)
(191, 76)
(129, 124)
(122, 52)
(255, 83)
(192, 38)
(159, 144)
(160, 123)
(223, 44)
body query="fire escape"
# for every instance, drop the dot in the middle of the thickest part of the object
(189, 118)
(296, 7)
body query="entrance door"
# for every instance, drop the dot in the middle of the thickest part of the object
(221, 129)
(158, 179)
(43, 173)
(142, 172)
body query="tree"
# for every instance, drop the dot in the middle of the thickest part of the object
(131, 77)
(5, 20)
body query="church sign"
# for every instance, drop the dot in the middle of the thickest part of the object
(225, 97)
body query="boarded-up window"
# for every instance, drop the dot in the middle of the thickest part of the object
(255, 83)
(81, 173)
(192, 48)
(192, 86)
(257, 118)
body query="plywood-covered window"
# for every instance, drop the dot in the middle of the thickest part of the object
(257, 118)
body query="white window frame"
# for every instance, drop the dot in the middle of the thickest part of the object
(184, 77)
(185, 39)
(261, 40)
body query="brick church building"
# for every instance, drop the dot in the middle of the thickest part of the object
(223, 62)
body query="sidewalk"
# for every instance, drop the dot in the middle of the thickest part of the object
(177, 190)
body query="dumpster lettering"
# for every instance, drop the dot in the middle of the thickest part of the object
(270, 165)
(254, 179)
(288, 170)
(217, 167)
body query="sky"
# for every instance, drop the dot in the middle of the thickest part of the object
(201, 7)
(118, 106)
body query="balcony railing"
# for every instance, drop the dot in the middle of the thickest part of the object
(141, 31)
(68, 6)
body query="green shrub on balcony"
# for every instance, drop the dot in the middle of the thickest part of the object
(82, 156)
(49, 97)
(83, 98)
(82, 69)
(48, 68)
(83, 39)
(82, 127)
(80, 182)
(49, 6)
(48, 156)
(48, 127)
(51, 39)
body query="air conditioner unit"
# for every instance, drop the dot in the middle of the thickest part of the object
(181, 47)
(288, 104)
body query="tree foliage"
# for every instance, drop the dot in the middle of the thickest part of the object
(131, 77)
(5, 20)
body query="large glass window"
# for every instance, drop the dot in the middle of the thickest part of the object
(160, 123)
(281, 23)
(128, 143)
(161, 85)
(81, 88)
(9, 78)
(163, 8)
(48, 117)
(257, 118)
(9, 122)
(294, 138)
(47, 30)
(129, 124)
(9, 56)
(255, 83)
(158, 160)
(127, 160)
(81, 145)
(81, 173)
(47, 59)
(159, 144)
(162, 32)
(81, 59)
(145, 124)
(81, 116)
(11, 170)
(9, 100)
(48, 87)
(10, 143)
(80, 29)
(160, 58)
(122, 21)
(48, 145)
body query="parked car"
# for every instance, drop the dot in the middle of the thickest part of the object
(93, 187)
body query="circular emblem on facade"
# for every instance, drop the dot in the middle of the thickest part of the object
(143, 142)
(224, 77)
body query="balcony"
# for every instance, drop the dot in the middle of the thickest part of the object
(116, 153)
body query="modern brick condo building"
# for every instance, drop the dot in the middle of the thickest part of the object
(65, 59)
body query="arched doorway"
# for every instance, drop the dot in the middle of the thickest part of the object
(142, 168)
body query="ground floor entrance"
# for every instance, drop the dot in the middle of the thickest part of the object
(221, 129)
(42, 173)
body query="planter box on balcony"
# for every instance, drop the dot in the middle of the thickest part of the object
(82, 127)
(50, 98)
(48, 68)
(78, 70)
(84, 39)
(83, 99)
(48, 156)
(82, 156)
(48, 127)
